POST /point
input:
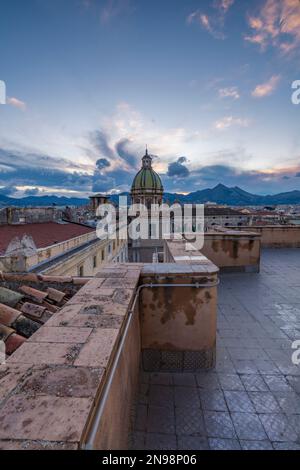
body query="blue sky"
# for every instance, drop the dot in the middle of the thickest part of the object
(205, 83)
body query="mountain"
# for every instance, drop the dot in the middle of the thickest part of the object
(235, 196)
(220, 194)
(41, 201)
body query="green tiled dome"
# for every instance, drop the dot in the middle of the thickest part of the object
(147, 179)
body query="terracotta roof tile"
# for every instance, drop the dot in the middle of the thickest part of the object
(8, 315)
(55, 294)
(36, 294)
(13, 342)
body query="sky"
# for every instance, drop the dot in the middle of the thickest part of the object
(206, 84)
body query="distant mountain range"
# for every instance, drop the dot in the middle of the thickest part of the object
(41, 201)
(220, 194)
(235, 196)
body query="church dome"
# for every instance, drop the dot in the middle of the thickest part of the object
(147, 179)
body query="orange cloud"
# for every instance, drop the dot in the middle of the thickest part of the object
(16, 103)
(266, 88)
(277, 24)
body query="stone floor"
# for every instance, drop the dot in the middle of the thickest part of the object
(251, 400)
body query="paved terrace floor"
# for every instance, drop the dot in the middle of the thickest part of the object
(252, 399)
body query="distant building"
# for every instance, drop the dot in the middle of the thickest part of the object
(56, 247)
(224, 217)
(97, 200)
(29, 215)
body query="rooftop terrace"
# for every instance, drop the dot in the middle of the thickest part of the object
(251, 400)
(73, 383)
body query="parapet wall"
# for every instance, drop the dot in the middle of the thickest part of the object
(178, 303)
(73, 383)
(233, 250)
(277, 236)
(81, 361)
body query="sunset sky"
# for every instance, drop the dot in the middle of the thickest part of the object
(206, 84)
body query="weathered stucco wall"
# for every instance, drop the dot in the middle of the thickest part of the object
(233, 250)
(115, 425)
(178, 324)
(278, 236)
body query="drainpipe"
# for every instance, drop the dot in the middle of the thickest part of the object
(89, 444)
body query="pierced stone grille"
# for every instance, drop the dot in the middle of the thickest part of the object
(177, 361)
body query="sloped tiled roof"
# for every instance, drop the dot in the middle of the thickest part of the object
(43, 234)
(28, 305)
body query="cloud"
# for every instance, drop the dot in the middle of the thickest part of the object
(27, 169)
(231, 92)
(16, 103)
(102, 163)
(208, 176)
(224, 4)
(27, 180)
(114, 181)
(11, 159)
(266, 88)
(130, 157)
(102, 183)
(277, 24)
(210, 23)
(214, 21)
(99, 140)
(32, 192)
(114, 152)
(229, 121)
(205, 21)
(178, 169)
(8, 190)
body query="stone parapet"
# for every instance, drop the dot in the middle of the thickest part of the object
(233, 251)
(51, 387)
(178, 307)
(277, 236)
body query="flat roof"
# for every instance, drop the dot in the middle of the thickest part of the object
(44, 234)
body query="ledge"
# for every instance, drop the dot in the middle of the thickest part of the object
(50, 386)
